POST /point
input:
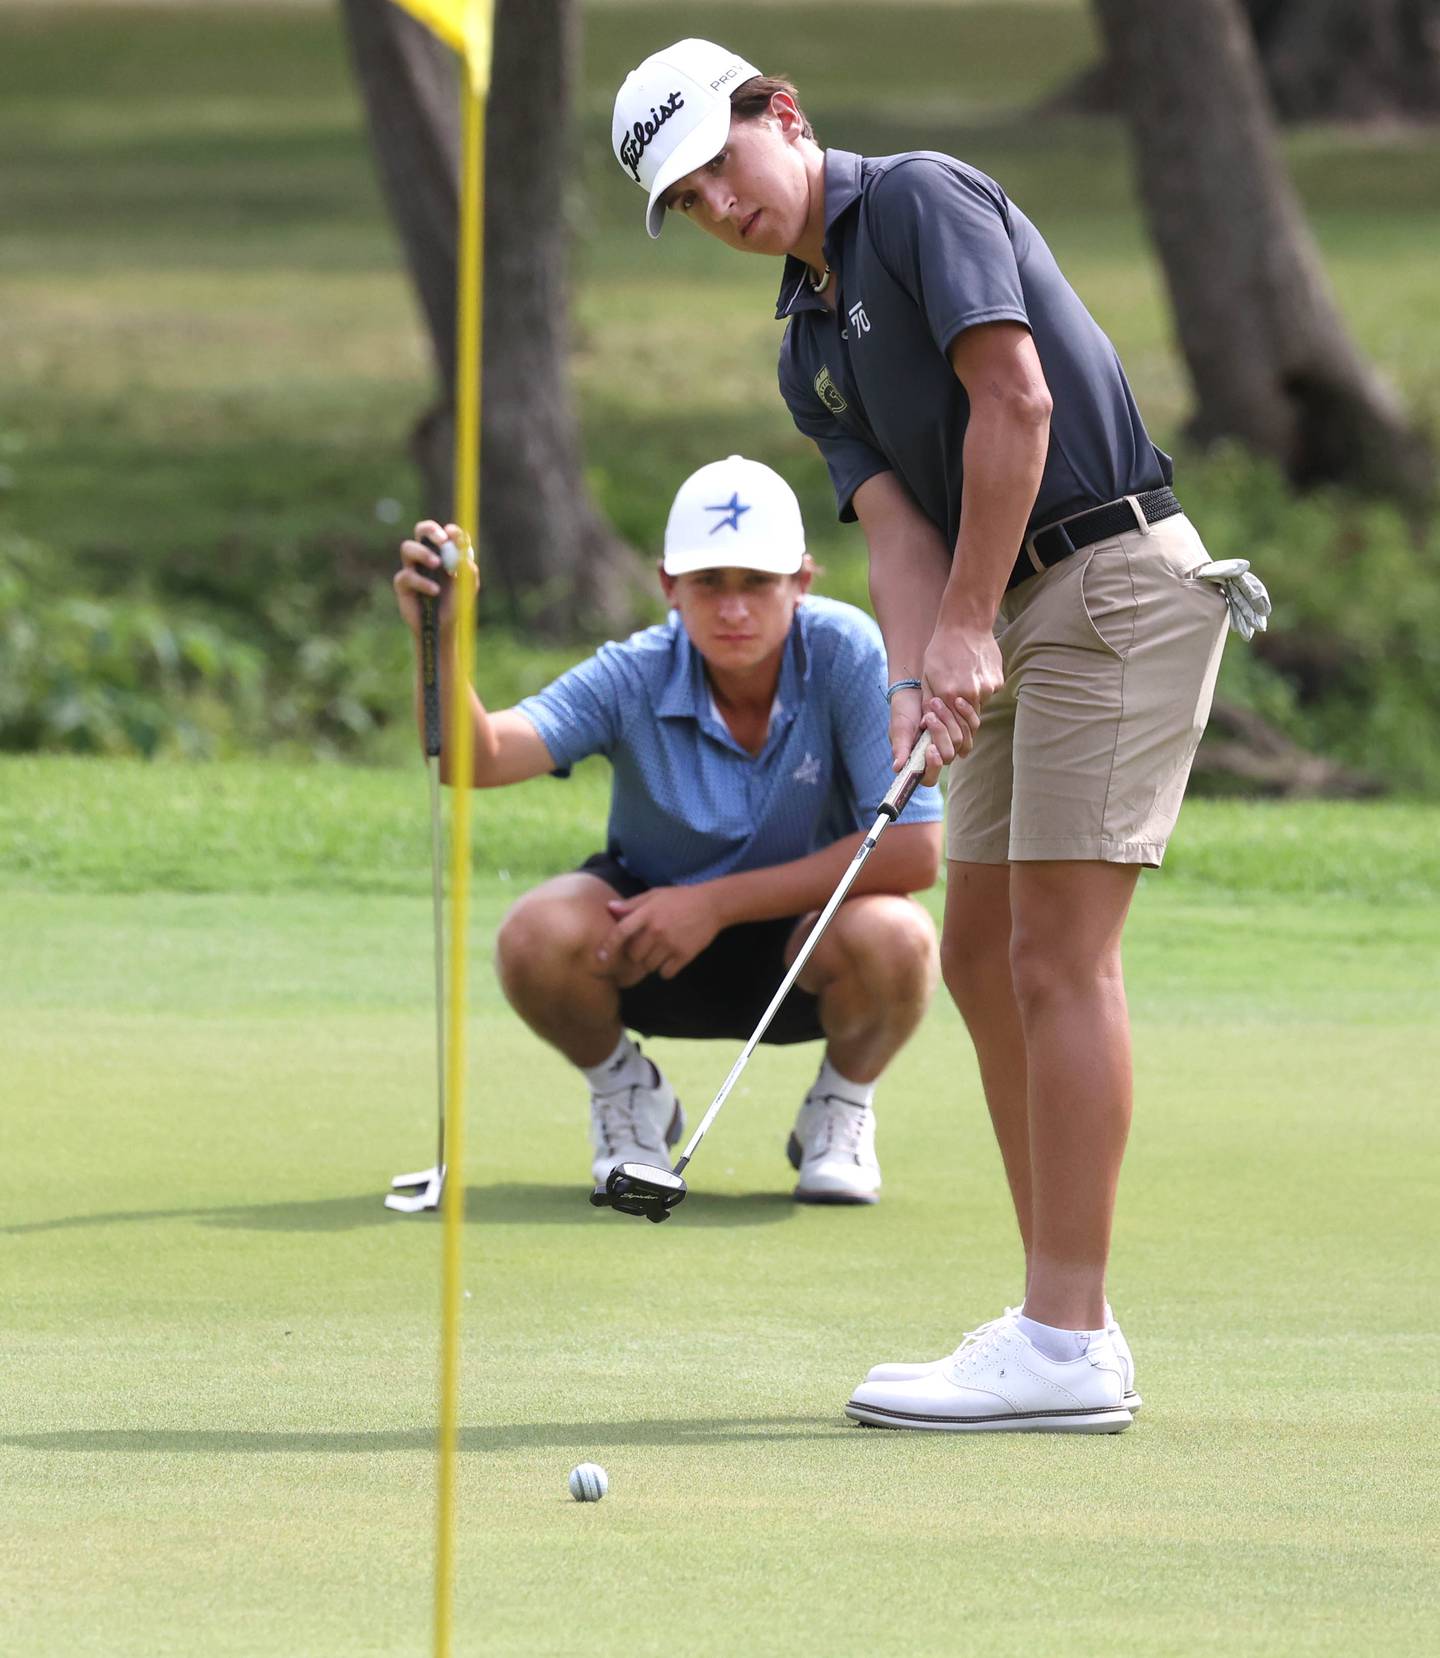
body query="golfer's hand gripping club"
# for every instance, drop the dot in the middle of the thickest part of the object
(638, 1189)
(891, 807)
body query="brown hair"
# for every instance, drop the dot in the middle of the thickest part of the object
(751, 100)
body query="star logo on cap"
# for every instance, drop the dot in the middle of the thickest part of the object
(732, 510)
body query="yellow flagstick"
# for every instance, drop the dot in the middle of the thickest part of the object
(475, 88)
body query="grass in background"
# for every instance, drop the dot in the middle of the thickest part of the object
(215, 359)
(79, 826)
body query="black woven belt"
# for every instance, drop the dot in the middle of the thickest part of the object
(1058, 541)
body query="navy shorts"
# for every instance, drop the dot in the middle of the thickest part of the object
(724, 991)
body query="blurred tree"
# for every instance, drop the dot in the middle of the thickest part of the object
(558, 563)
(1349, 60)
(1272, 363)
(1339, 60)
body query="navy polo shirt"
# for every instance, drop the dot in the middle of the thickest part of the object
(923, 247)
(689, 803)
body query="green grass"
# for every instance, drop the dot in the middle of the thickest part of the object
(216, 1019)
(215, 354)
(81, 826)
(214, 361)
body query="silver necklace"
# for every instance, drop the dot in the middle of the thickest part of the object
(820, 286)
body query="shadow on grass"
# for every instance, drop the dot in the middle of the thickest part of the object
(503, 1437)
(511, 1203)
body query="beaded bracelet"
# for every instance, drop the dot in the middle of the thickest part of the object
(902, 685)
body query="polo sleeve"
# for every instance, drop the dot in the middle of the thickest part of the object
(943, 233)
(580, 713)
(861, 727)
(849, 459)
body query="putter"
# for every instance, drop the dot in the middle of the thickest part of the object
(649, 1190)
(411, 1194)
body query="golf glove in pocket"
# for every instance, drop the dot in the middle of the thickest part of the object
(1245, 595)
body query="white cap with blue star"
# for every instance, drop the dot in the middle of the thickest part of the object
(734, 513)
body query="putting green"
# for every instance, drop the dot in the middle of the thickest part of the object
(219, 1387)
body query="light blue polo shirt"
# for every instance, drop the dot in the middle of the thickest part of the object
(688, 803)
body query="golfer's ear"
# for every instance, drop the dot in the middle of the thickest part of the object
(667, 583)
(786, 113)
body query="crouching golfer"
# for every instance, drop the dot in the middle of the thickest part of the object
(748, 741)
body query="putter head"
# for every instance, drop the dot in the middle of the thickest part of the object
(640, 1189)
(413, 1194)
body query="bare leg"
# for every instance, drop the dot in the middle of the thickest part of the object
(975, 957)
(874, 972)
(1067, 920)
(545, 956)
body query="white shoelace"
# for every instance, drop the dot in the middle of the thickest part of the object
(615, 1117)
(973, 1341)
(842, 1126)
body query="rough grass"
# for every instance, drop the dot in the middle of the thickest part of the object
(214, 359)
(126, 827)
(214, 352)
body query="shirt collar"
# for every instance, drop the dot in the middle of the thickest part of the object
(844, 182)
(686, 692)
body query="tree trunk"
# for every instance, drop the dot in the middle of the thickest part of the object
(1323, 60)
(1349, 60)
(1272, 363)
(557, 565)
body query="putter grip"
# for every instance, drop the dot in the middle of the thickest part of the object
(904, 785)
(430, 673)
(430, 664)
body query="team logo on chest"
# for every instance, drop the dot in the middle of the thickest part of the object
(829, 393)
(858, 320)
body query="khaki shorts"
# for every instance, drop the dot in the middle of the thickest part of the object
(1110, 663)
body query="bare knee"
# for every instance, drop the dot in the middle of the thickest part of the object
(1046, 968)
(545, 935)
(975, 956)
(1066, 933)
(975, 945)
(887, 944)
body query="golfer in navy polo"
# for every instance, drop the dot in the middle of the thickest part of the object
(1049, 615)
(747, 739)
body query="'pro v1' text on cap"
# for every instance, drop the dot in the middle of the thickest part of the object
(673, 115)
(734, 513)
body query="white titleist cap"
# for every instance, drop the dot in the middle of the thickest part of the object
(734, 513)
(673, 115)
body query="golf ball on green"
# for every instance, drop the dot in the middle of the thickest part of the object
(588, 1482)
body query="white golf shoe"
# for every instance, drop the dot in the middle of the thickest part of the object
(908, 1372)
(833, 1147)
(637, 1124)
(997, 1382)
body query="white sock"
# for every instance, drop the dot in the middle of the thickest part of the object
(831, 1082)
(1055, 1344)
(627, 1067)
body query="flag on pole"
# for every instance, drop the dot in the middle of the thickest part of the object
(466, 26)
